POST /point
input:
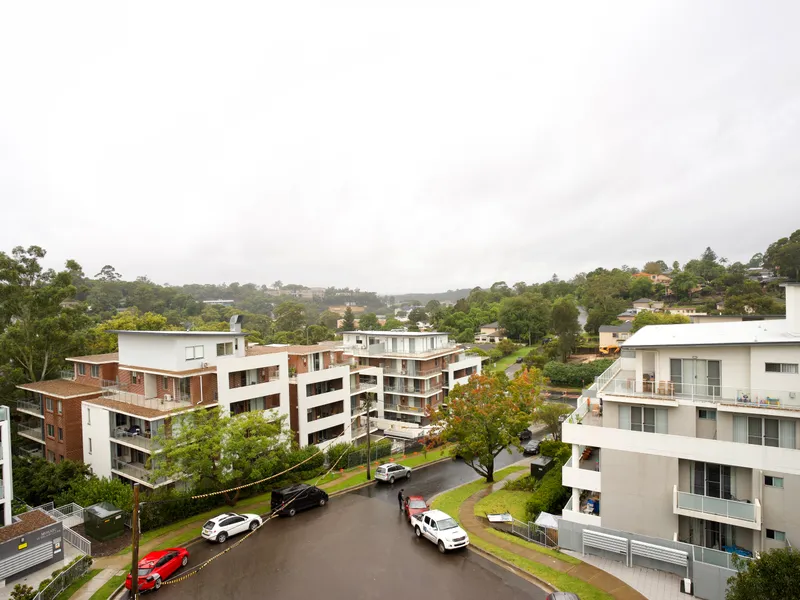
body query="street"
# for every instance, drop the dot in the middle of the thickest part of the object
(359, 546)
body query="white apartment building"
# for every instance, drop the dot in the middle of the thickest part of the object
(418, 369)
(692, 436)
(6, 482)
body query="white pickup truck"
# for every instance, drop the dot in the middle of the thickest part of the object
(441, 529)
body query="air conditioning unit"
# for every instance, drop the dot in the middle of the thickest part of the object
(168, 397)
(204, 365)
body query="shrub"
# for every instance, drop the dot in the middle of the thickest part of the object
(554, 449)
(337, 453)
(535, 359)
(575, 375)
(523, 484)
(22, 592)
(549, 495)
(378, 450)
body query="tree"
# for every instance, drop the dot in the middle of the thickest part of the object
(752, 303)
(647, 317)
(38, 481)
(37, 331)
(277, 285)
(641, 287)
(210, 450)
(774, 575)
(683, 283)
(598, 316)
(290, 316)
(654, 267)
(709, 256)
(392, 323)
(486, 415)
(318, 333)
(368, 322)
(756, 260)
(108, 273)
(504, 346)
(566, 325)
(783, 257)
(525, 317)
(417, 315)
(549, 414)
(328, 319)
(99, 341)
(349, 323)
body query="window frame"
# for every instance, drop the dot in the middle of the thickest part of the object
(48, 403)
(50, 431)
(134, 378)
(707, 411)
(59, 407)
(81, 369)
(60, 434)
(782, 368)
(777, 535)
(194, 352)
(770, 480)
(94, 370)
(90, 445)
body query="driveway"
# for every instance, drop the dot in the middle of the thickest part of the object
(357, 547)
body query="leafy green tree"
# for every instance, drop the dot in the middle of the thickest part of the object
(209, 449)
(647, 317)
(99, 341)
(392, 323)
(566, 325)
(417, 315)
(37, 331)
(774, 575)
(38, 481)
(756, 260)
(290, 316)
(525, 317)
(93, 490)
(683, 283)
(505, 347)
(349, 320)
(604, 315)
(318, 333)
(368, 322)
(783, 257)
(486, 415)
(654, 267)
(641, 287)
(549, 413)
(328, 319)
(108, 273)
(752, 303)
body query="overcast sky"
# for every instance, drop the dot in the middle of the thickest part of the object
(396, 147)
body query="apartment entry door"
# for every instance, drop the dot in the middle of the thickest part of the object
(696, 377)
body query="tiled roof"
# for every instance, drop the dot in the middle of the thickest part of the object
(97, 359)
(140, 411)
(28, 523)
(188, 372)
(61, 388)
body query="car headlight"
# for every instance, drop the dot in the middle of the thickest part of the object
(149, 578)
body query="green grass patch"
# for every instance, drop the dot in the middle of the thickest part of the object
(536, 547)
(504, 501)
(78, 584)
(350, 481)
(562, 581)
(108, 587)
(509, 360)
(422, 458)
(449, 502)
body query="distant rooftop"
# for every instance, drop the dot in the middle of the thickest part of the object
(616, 328)
(492, 324)
(61, 388)
(97, 359)
(291, 349)
(179, 333)
(714, 334)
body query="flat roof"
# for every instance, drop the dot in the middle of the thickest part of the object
(399, 333)
(28, 523)
(742, 333)
(61, 388)
(97, 359)
(291, 349)
(186, 373)
(179, 333)
(129, 408)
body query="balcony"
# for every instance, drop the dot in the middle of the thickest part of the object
(362, 387)
(415, 410)
(32, 452)
(166, 404)
(731, 512)
(380, 350)
(31, 408)
(32, 433)
(583, 477)
(357, 432)
(142, 440)
(578, 516)
(136, 470)
(409, 390)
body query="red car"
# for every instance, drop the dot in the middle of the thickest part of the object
(158, 566)
(414, 506)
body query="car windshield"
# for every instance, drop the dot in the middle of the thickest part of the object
(208, 525)
(143, 572)
(417, 504)
(446, 524)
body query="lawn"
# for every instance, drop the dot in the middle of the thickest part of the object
(78, 584)
(108, 588)
(509, 360)
(504, 501)
(450, 501)
(523, 544)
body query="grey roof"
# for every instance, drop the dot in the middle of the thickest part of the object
(616, 328)
(492, 324)
(643, 300)
(744, 333)
(179, 333)
(399, 333)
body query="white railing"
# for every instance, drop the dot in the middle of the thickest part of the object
(162, 404)
(77, 541)
(67, 374)
(136, 470)
(402, 407)
(606, 376)
(31, 407)
(34, 432)
(380, 350)
(142, 440)
(36, 452)
(733, 509)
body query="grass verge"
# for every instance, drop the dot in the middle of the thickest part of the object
(108, 588)
(78, 584)
(504, 501)
(450, 501)
(507, 361)
(536, 547)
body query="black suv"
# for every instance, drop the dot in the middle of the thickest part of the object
(290, 500)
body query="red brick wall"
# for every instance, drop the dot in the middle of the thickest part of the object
(125, 378)
(71, 447)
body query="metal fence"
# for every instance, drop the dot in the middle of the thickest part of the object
(69, 515)
(64, 579)
(544, 536)
(78, 541)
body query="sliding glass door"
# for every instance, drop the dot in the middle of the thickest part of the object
(696, 377)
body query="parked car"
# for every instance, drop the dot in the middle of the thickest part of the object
(414, 506)
(290, 500)
(562, 596)
(441, 529)
(157, 567)
(519, 360)
(222, 527)
(531, 447)
(525, 435)
(390, 471)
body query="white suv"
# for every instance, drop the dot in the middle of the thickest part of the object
(441, 529)
(390, 471)
(227, 524)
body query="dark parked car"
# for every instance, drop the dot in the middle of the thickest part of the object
(290, 500)
(519, 360)
(531, 447)
(525, 435)
(562, 596)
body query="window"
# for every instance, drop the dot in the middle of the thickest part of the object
(195, 352)
(134, 377)
(95, 371)
(59, 408)
(165, 382)
(778, 433)
(776, 482)
(781, 368)
(81, 369)
(643, 418)
(709, 414)
(90, 445)
(225, 349)
(51, 431)
(49, 403)
(774, 534)
(235, 343)
(60, 434)
(51, 456)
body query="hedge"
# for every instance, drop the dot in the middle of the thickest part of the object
(575, 375)
(550, 495)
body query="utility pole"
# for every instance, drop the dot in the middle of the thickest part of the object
(135, 544)
(368, 405)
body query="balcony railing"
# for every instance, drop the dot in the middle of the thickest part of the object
(136, 470)
(30, 407)
(67, 374)
(142, 440)
(33, 452)
(162, 404)
(731, 509)
(403, 408)
(380, 350)
(362, 387)
(31, 432)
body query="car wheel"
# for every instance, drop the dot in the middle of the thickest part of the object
(253, 525)
(185, 561)
(157, 584)
(408, 474)
(442, 549)
(391, 479)
(292, 512)
(322, 501)
(417, 531)
(222, 537)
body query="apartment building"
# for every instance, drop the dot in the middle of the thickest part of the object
(6, 480)
(692, 436)
(418, 369)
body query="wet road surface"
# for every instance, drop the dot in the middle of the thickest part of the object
(357, 547)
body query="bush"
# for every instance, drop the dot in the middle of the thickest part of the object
(556, 450)
(165, 506)
(535, 359)
(506, 347)
(575, 375)
(523, 484)
(22, 592)
(549, 495)
(378, 450)
(337, 453)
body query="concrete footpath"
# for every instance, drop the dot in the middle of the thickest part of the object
(584, 571)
